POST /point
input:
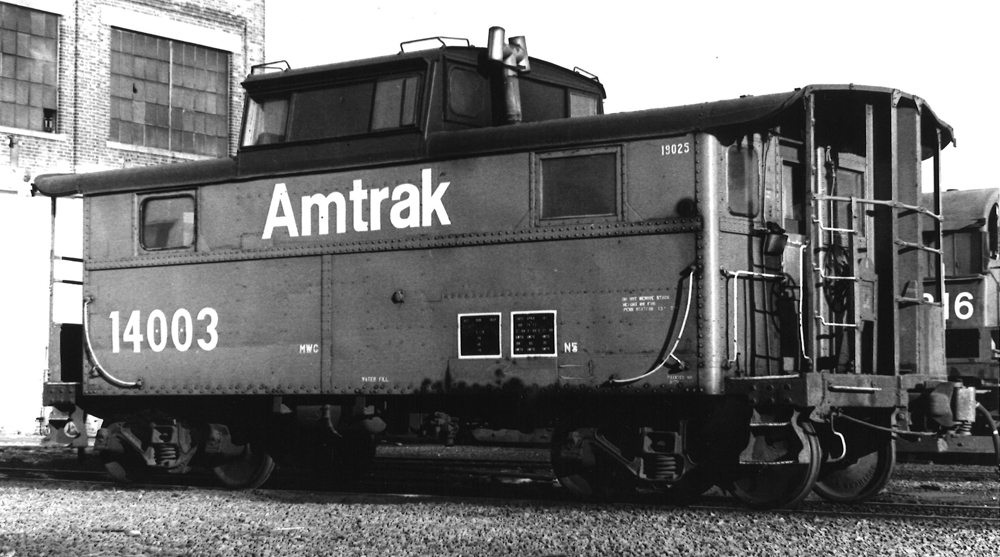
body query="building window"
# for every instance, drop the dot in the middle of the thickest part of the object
(169, 94)
(28, 68)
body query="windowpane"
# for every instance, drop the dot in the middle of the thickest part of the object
(410, 97)
(266, 121)
(966, 253)
(28, 68)
(579, 186)
(395, 103)
(582, 105)
(744, 181)
(467, 95)
(388, 101)
(168, 223)
(333, 112)
(541, 101)
(172, 92)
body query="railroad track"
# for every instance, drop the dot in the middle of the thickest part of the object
(368, 491)
(523, 479)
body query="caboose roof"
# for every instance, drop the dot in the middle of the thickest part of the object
(963, 208)
(709, 116)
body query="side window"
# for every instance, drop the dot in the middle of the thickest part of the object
(468, 97)
(542, 101)
(743, 178)
(582, 105)
(266, 121)
(963, 253)
(579, 184)
(167, 223)
(334, 111)
(331, 112)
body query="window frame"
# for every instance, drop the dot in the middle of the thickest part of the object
(538, 186)
(293, 97)
(140, 227)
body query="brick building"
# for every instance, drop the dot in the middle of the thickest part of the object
(91, 85)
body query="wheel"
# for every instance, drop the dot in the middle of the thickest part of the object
(771, 486)
(247, 471)
(124, 468)
(862, 473)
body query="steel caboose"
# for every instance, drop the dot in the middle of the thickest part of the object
(728, 293)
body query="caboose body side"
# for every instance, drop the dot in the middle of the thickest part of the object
(727, 293)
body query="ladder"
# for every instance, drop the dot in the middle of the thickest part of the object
(843, 278)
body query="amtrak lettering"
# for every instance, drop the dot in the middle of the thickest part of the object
(412, 208)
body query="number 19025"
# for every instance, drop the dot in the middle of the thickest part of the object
(675, 148)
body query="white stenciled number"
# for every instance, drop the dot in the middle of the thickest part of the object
(116, 342)
(675, 148)
(213, 336)
(180, 330)
(964, 307)
(133, 332)
(180, 333)
(157, 323)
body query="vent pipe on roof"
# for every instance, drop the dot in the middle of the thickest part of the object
(514, 59)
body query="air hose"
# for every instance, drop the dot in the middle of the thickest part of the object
(996, 435)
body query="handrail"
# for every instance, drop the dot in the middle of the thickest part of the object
(736, 275)
(137, 384)
(802, 324)
(883, 202)
(680, 334)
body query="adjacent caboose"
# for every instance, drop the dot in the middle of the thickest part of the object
(971, 249)
(729, 293)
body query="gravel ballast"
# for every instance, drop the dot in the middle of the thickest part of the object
(57, 519)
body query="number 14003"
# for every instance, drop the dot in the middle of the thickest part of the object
(179, 332)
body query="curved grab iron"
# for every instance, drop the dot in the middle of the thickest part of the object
(137, 384)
